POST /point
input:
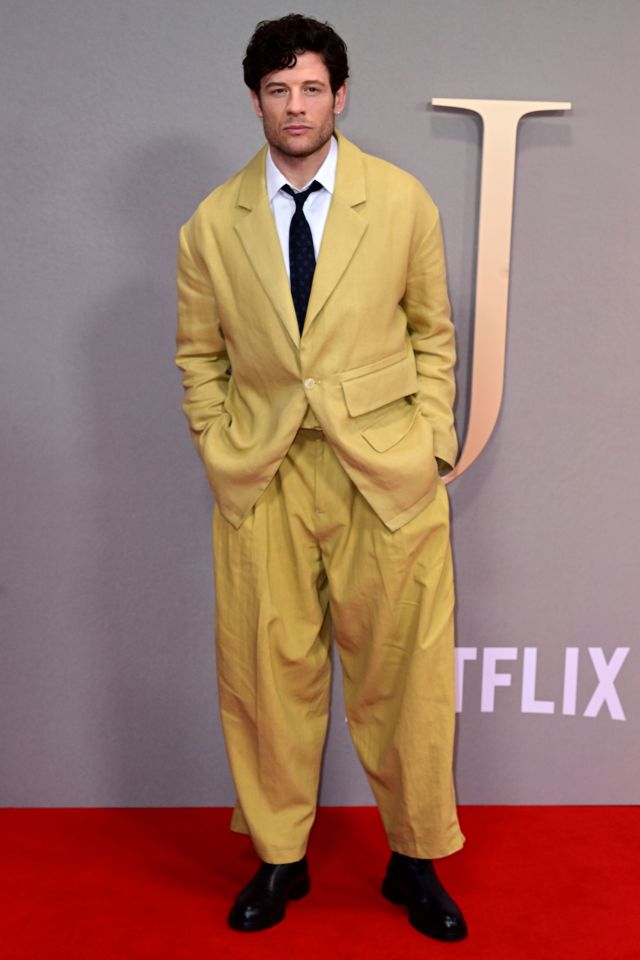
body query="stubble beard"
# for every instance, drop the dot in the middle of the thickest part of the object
(288, 149)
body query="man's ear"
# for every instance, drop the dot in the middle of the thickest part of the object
(255, 99)
(339, 99)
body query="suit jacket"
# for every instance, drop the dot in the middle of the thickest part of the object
(375, 360)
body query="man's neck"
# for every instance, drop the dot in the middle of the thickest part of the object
(300, 170)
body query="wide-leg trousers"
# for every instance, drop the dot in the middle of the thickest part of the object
(312, 552)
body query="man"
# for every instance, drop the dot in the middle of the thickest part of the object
(317, 349)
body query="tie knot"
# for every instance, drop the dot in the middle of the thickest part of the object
(300, 196)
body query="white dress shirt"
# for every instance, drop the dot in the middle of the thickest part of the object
(316, 207)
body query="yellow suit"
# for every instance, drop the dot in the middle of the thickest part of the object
(377, 334)
(350, 518)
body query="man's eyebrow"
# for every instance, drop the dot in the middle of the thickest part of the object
(283, 83)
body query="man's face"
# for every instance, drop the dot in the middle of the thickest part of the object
(298, 108)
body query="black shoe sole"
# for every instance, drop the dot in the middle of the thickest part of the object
(394, 894)
(300, 890)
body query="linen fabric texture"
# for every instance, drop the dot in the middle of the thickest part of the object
(348, 521)
(374, 362)
(311, 552)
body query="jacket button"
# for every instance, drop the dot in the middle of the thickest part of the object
(309, 383)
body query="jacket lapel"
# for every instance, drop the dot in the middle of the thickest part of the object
(344, 230)
(259, 238)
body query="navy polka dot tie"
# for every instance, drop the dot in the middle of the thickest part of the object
(302, 259)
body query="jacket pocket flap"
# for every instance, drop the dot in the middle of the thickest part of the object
(374, 386)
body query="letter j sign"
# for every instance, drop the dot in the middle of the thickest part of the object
(500, 122)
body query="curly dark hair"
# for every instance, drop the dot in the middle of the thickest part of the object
(275, 43)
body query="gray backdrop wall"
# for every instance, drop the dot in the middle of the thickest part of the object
(117, 118)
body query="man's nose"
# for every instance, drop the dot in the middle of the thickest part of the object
(296, 101)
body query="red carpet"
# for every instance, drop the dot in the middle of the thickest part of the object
(535, 882)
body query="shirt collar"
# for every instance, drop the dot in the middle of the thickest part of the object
(326, 175)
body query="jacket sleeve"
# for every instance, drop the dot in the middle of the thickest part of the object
(426, 304)
(202, 354)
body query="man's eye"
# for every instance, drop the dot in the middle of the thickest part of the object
(312, 90)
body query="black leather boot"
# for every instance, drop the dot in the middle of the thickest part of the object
(261, 904)
(414, 883)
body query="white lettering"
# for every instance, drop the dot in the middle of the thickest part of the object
(462, 655)
(606, 692)
(570, 690)
(529, 670)
(491, 678)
